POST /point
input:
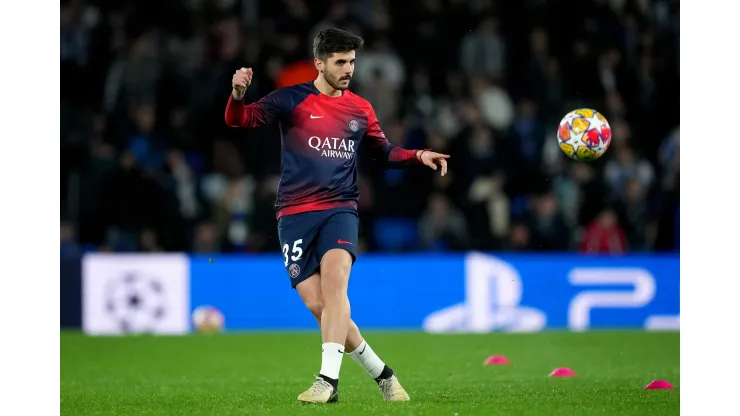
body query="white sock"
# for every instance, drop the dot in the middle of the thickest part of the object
(331, 359)
(368, 359)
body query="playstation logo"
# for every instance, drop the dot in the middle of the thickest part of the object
(493, 293)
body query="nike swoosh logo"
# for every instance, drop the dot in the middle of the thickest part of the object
(363, 349)
(340, 241)
(340, 351)
(313, 116)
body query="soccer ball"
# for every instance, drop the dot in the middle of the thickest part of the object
(208, 319)
(584, 135)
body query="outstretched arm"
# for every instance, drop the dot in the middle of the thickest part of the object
(261, 113)
(389, 156)
(394, 157)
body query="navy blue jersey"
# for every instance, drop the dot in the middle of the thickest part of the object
(320, 138)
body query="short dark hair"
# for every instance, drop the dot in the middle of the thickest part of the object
(333, 40)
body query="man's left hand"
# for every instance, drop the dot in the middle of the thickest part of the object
(433, 159)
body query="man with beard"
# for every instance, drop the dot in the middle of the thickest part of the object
(322, 125)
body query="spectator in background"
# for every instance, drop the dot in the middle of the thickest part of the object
(549, 231)
(442, 226)
(148, 241)
(181, 134)
(582, 72)
(668, 222)
(544, 73)
(565, 188)
(233, 211)
(623, 166)
(519, 239)
(483, 151)
(484, 50)
(614, 110)
(186, 187)
(187, 197)
(147, 146)
(609, 75)
(128, 203)
(447, 121)
(539, 55)
(134, 77)
(488, 192)
(263, 223)
(670, 161)
(421, 105)
(591, 192)
(379, 60)
(604, 235)
(494, 102)
(205, 240)
(379, 91)
(553, 90)
(634, 212)
(75, 33)
(527, 133)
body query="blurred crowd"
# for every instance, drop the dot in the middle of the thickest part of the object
(148, 163)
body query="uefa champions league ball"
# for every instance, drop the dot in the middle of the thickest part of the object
(584, 135)
(207, 319)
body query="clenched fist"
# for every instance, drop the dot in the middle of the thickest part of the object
(240, 81)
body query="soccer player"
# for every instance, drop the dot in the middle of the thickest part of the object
(322, 126)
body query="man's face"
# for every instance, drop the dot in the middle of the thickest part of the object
(338, 69)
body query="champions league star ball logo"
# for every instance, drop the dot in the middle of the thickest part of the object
(354, 125)
(294, 271)
(136, 302)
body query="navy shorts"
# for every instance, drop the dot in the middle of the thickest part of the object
(306, 237)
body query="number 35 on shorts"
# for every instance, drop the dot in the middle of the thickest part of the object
(295, 253)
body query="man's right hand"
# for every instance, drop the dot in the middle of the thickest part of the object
(240, 81)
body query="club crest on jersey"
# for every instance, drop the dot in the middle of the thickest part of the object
(354, 125)
(294, 270)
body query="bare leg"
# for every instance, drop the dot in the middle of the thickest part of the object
(335, 318)
(310, 292)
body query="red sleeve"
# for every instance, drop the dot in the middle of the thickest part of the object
(265, 111)
(382, 150)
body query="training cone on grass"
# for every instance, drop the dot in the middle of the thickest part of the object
(563, 372)
(659, 385)
(496, 360)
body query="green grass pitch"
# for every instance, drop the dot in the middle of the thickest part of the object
(262, 374)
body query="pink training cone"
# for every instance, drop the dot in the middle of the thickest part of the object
(563, 372)
(496, 360)
(659, 385)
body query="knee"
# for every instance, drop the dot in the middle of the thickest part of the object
(316, 306)
(334, 282)
(336, 272)
(335, 267)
